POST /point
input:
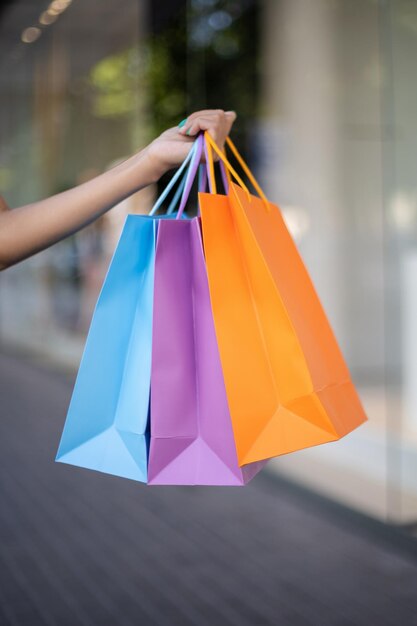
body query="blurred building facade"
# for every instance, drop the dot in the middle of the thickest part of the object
(326, 102)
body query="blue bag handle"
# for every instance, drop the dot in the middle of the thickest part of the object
(191, 173)
(173, 180)
(202, 184)
(184, 188)
(177, 195)
(203, 172)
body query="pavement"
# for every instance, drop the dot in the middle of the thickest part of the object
(82, 548)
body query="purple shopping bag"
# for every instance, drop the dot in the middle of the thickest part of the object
(191, 432)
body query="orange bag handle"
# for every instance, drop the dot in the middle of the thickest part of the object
(210, 143)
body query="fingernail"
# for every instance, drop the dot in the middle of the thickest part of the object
(188, 131)
(181, 124)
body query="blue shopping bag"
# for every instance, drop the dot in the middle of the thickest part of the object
(107, 424)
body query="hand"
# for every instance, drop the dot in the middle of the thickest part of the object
(29, 229)
(171, 147)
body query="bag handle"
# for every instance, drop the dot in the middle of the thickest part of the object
(210, 143)
(202, 174)
(202, 183)
(202, 177)
(172, 182)
(180, 191)
(206, 172)
(192, 171)
(224, 171)
(200, 143)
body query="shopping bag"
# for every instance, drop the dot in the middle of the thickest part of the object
(287, 383)
(107, 423)
(191, 432)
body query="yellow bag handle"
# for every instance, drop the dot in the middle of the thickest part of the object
(210, 143)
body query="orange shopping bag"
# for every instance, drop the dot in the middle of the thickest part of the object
(287, 383)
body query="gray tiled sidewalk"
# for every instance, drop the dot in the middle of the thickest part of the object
(78, 547)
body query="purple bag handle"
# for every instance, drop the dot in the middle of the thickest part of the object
(203, 177)
(203, 174)
(192, 171)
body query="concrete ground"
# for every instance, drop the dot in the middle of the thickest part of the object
(79, 547)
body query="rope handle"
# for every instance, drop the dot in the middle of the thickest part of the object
(191, 173)
(210, 143)
(206, 141)
(173, 180)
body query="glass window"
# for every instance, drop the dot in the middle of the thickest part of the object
(325, 98)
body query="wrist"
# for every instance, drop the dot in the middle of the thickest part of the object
(156, 165)
(137, 171)
(149, 167)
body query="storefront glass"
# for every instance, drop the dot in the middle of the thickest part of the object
(325, 95)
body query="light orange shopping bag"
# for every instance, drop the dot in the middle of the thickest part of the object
(287, 383)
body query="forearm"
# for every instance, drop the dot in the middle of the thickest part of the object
(33, 227)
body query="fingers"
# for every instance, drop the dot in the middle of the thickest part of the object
(216, 121)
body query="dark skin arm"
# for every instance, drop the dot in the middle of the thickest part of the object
(33, 227)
